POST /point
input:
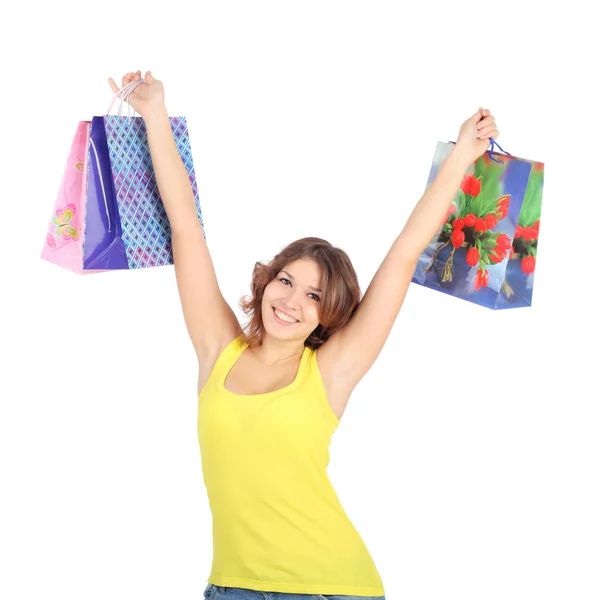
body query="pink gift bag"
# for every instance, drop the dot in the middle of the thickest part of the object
(63, 245)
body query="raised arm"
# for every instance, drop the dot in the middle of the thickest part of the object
(350, 352)
(210, 321)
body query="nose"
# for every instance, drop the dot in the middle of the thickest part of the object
(293, 301)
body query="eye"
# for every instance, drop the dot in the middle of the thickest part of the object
(283, 279)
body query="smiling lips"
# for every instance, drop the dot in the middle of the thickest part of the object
(283, 318)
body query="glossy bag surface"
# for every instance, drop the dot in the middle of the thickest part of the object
(103, 245)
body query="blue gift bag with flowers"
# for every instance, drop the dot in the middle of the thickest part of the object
(486, 248)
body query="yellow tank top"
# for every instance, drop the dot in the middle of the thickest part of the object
(278, 525)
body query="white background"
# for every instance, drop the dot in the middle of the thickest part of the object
(468, 457)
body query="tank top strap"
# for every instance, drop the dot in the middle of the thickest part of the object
(305, 363)
(228, 356)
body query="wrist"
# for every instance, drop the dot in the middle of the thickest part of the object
(154, 113)
(462, 157)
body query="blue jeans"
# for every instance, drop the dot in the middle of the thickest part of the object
(218, 592)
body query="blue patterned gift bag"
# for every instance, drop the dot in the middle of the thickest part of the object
(145, 228)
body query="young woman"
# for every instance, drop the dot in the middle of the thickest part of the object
(271, 397)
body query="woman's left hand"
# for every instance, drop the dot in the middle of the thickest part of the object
(475, 133)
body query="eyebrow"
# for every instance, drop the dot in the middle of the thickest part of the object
(292, 278)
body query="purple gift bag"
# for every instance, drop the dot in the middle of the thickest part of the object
(103, 245)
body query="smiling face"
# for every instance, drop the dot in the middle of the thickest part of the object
(290, 304)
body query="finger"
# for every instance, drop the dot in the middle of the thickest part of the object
(485, 131)
(477, 115)
(486, 127)
(492, 133)
(486, 122)
(127, 79)
(113, 85)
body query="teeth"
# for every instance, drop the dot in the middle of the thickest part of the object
(284, 317)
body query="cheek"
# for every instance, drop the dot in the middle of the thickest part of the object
(271, 294)
(312, 311)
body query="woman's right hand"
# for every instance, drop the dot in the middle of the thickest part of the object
(146, 97)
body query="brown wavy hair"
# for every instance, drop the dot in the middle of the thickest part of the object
(339, 300)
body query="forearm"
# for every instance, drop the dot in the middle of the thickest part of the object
(171, 175)
(424, 221)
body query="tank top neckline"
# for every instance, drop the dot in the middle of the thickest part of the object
(235, 356)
